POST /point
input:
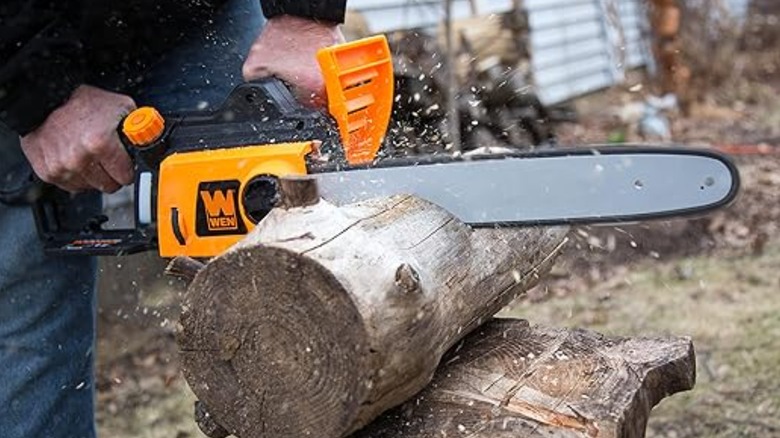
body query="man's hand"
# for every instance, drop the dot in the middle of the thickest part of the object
(287, 49)
(77, 148)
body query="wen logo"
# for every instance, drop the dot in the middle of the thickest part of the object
(220, 209)
(217, 209)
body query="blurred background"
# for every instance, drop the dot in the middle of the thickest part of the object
(531, 74)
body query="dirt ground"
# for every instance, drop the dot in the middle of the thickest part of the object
(715, 279)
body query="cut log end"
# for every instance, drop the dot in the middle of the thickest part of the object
(289, 349)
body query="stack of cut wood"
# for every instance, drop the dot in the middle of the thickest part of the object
(325, 317)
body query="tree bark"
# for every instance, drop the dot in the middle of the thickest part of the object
(324, 317)
(509, 379)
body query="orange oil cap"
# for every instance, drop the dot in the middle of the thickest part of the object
(143, 126)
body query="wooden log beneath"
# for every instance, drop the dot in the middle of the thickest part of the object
(509, 379)
(324, 317)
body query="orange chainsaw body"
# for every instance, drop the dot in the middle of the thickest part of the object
(200, 213)
(200, 193)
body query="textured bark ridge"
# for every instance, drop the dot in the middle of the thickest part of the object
(508, 379)
(324, 317)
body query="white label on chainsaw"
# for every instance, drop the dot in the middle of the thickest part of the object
(144, 200)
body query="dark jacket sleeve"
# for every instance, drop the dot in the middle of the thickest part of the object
(42, 62)
(326, 10)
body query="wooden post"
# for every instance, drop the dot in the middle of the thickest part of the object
(674, 74)
(324, 317)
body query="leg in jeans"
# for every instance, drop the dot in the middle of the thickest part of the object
(47, 323)
(47, 304)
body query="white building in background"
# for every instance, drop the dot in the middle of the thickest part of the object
(577, 46)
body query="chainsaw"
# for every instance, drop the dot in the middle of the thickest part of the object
(205, 179)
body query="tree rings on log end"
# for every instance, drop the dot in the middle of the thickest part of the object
(272, 343)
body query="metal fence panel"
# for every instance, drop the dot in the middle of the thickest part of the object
(636, 31)
(569, 50)
(580, 46)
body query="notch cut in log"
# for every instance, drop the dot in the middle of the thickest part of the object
(324, 317)
(508, 379)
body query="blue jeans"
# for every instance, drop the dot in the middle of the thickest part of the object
(47, 304)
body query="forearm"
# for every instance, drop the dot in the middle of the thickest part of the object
(42, 65)
(321, 10)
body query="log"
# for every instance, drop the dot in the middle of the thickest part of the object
(324, 317)
(509, 379)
